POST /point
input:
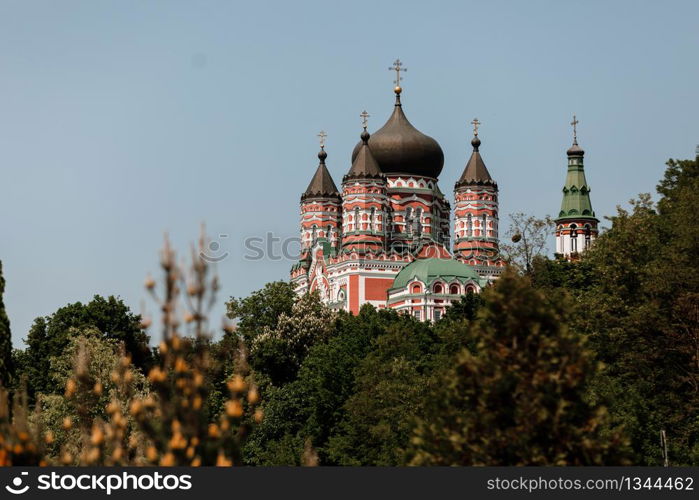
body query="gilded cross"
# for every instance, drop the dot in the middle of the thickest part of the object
(574, 123)
(397, 67)
(475, 124)
(364, 115)
(322, 135)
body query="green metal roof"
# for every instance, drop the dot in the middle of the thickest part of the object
(576, 202)
(428, 270)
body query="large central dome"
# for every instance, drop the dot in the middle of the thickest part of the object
(400, 148)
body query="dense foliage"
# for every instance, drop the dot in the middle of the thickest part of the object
(6, 363)
(49, 336)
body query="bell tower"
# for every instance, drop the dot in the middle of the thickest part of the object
(476, 212)
(321, 207)
(364, 201)
(576, 225)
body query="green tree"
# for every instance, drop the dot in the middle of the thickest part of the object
(520, 398)
(465, 308)
(6, 364)
(529, 236)
(576, 276)
(261, 309)
(311, 407)
(49, 336)
(96, 357)
(278, 352)
(392, 383)
(645, 325)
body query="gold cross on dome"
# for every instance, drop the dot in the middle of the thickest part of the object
(364, 115)
(475, 124)
(574, 123)
(321, 136)
(397, 67)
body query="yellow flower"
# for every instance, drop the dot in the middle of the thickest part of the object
(234, 408)
(236, 384)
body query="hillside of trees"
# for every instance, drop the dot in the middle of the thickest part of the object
(582, 362)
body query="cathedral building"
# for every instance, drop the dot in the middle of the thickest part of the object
(383, 237)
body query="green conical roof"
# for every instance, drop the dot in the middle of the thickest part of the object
(428, 270)
(576, 192)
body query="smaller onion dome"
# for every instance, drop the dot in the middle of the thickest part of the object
(575, 149)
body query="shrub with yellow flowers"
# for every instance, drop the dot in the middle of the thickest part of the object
(111, 414)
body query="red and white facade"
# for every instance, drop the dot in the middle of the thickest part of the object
(391, 212)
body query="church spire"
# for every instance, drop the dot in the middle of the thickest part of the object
(475, 171)
(322, 184)
(576, 225)
(364, 165)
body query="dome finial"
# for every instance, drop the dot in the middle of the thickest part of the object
(397, 67)
(475, 142)
(322, 155)
(365, 135)
(575, 150)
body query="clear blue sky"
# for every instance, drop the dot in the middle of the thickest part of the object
(120, 120)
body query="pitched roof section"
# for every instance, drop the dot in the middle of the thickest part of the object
(364, 165)
(322, 184)
(475, 171)
(576, 202)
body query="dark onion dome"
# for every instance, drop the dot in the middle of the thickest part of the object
(475, 171)
(399, 148)
(575, 150)
(322, 184)
(364, 165)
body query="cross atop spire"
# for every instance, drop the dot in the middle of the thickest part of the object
(397, 67)
(574, 123)
(364, 115)
(321, 138)
(475, 124)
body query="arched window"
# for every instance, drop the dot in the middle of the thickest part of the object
(588, 236)
(313, 233)
(409, 220)
(372, 227)
(328, 234)
(485, 225)
(454, 289)
(573, 238)
(469, 220)
(418, 222)
(438, 288)
(357, 227)
(416, 288)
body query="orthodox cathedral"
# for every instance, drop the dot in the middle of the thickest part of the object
(383, 238)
